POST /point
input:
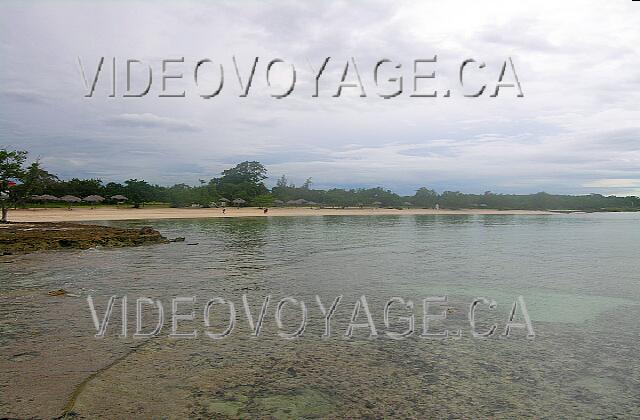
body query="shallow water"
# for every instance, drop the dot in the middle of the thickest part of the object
(578, 275)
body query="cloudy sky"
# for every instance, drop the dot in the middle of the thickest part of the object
(576, 130)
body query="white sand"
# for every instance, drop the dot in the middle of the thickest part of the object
(112, 213)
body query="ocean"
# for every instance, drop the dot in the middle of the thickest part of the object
(566, 285)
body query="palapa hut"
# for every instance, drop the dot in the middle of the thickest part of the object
(239, 202)
(298, 202)
(44, 198)
(70, 199)
(93, 199)
(119, 198)
(48, 197)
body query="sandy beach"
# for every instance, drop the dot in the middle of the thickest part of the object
(111, 213)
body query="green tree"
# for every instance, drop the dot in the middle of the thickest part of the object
(84, 187)
(113, 188)
(11, 169)
(282, 182)
(253, 172)
(138, 191)
(425, 197)
(242, 181)
(36, 181)
(263, 200)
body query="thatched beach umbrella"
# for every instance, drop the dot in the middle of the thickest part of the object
(70, 199)
(119, 198)
(93, 199)
(45, 198)
(298, 202)
(238, 202)
(48, 197)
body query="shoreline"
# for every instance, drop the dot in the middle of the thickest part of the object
(155, 213)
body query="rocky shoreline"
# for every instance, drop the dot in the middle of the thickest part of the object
(24, 238)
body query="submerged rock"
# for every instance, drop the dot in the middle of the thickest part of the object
(59, 292)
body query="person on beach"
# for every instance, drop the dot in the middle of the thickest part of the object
(265, 211)
(224, 211)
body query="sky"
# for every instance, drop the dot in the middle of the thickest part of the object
(576, 129)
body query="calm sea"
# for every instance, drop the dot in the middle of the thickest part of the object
(579, 275)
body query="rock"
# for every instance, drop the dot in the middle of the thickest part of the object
(21, 357)
(147, 230)
(22, 238)
(59, 292)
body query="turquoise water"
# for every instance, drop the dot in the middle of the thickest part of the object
(578, 273)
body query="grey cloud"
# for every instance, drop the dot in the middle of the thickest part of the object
(619, 139)
(560, 136)
(520, 33)
(149, 120)
(256, 123)
(23, 96)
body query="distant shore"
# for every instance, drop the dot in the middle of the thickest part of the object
(83, 214)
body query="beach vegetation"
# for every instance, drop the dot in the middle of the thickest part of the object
(11, 172)
(246, 181)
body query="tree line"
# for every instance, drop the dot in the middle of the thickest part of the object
(20, 183)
